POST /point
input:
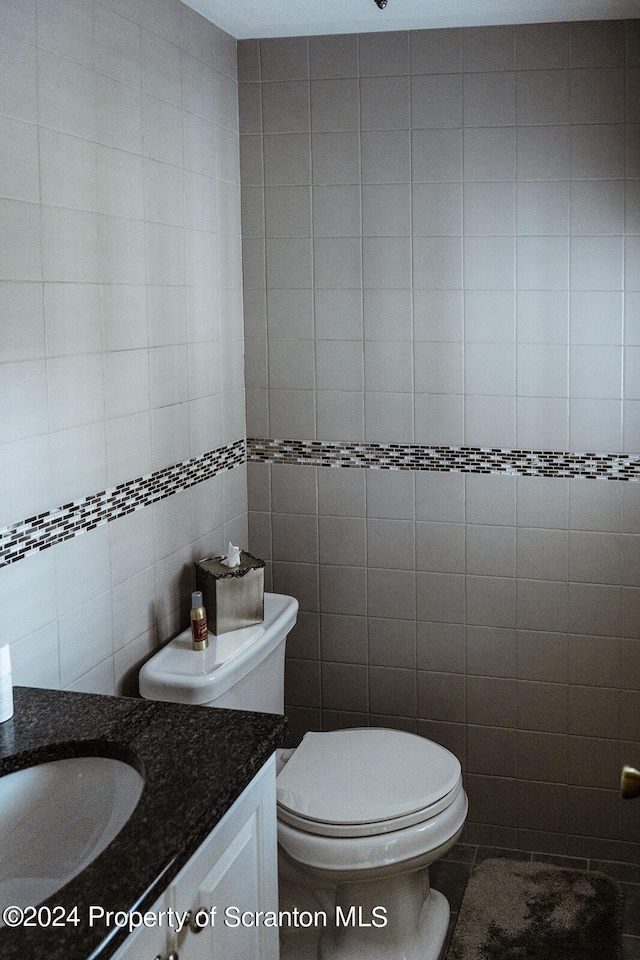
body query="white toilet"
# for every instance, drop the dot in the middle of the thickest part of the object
(361, 813)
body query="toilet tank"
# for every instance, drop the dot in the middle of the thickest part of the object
(242, 669)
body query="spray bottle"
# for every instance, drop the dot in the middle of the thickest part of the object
(198, 616)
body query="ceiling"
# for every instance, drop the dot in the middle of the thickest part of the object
(293, 18)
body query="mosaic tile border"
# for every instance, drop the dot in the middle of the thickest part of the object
(72, 519)
(410, 456)
(79, 516)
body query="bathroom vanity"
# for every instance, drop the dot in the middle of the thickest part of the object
(219, 896)
(202, 835)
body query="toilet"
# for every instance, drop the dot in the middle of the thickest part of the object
(362, 813)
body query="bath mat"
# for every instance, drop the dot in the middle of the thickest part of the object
(516, 910)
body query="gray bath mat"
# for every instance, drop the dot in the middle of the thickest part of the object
(515, 910)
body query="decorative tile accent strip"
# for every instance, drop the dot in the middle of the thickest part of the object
(409, 456)
(80, 516)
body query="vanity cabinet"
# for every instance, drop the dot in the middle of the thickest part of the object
(233, 873)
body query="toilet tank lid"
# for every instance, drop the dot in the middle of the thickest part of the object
(179, 674)
(365, 776)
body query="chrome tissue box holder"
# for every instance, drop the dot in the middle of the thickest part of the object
(233, 596)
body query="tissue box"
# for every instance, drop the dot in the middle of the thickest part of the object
(233, 596)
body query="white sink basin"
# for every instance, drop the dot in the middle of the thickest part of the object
(55, 818)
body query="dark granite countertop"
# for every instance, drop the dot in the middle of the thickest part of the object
(195, 760)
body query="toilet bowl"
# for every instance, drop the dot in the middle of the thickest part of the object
(367, 811)
(361, 813)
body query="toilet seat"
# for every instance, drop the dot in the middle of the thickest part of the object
(365, 782)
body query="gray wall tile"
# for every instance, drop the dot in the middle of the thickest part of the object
(473, 237)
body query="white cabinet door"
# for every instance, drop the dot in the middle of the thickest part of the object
(232, 880)
(148, 943)
(234, 870)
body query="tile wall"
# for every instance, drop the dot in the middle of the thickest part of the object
(441, 247)
(121, 348)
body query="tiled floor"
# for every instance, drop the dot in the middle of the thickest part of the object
(450, 876)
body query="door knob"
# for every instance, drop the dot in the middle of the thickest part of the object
(630, 782)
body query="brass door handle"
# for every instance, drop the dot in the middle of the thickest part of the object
(630, 782)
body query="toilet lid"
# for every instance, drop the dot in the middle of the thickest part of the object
(364, 777)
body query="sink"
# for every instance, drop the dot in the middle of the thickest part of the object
(56, 817)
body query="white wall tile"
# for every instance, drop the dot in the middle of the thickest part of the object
(32, 577)
(597, 95)
(597, 207)
(437, 51)
(543, 208)
(76, 390)
(90, 245)
(21, 322)
(544, 153)
(489, 209)
(72, 313)
(489, 99)
(161, 131)
(595, 425)
(128, 446)
(20, 247)
(597, 150)
(162, 17)
(596, 263)
(78, 462)
(170, 434)
(100, 679)
(67, 99)
(197, 87)
(23, 397)
(542, 316)
(122, 250)
(117, 47)
(130, 545)
(19, 89)
(124, 316)
(542, 370)
(489, 263)
(388, 415)
(35, 658)
(596, 317)
(127, 663)
(436, 101)
(202, 253)
(119, 115)
(172, 524)
(168, 372)
(19, 19)
(133, 601)
(126, 382)
(65, 27)
(119, 183)
(542, 263)
(488, 48)
(25, 482)
(19, 160)
(542, 97)
(70, 247)
(205, 427)
(542, 46)
(595, 371)
(542, 423)
(437, 263)
(83, 571)
(439, 418)
(161, 68)
(487, 416)
(489, 369)
(165, 254)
